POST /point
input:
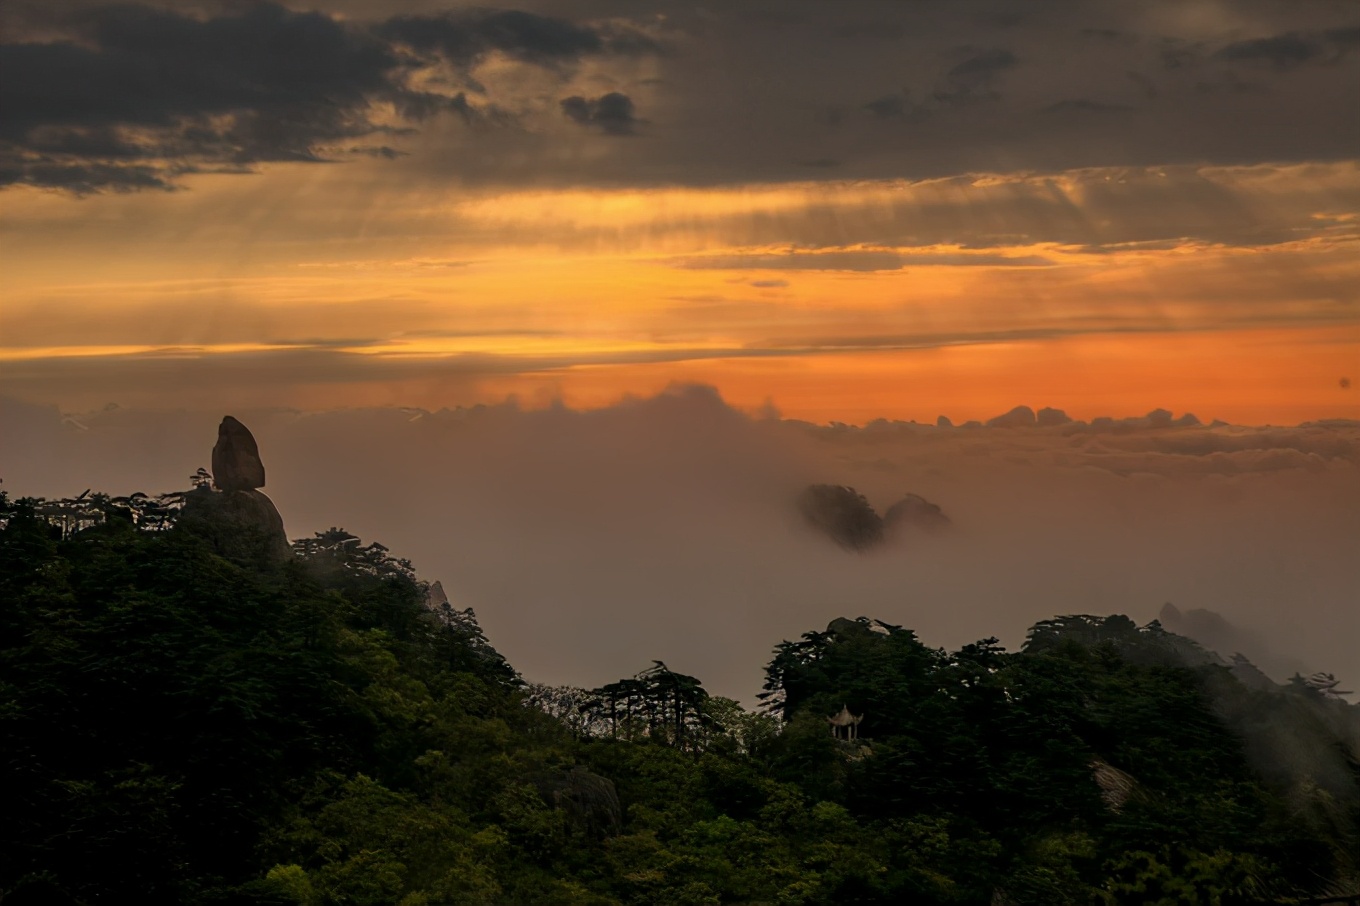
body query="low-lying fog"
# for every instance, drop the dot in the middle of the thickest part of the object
(590, 543)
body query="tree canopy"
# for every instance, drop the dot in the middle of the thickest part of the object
(182, 726)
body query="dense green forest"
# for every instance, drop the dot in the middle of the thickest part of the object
(190, 719)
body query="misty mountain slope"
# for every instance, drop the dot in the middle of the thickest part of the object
(583, 537)
(189, 723)
(1302, 742)
(843, 515)
(1096, 723)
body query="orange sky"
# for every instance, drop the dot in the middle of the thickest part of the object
(590, 296)
(870, 210)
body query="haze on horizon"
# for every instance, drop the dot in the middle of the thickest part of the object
(649, 247)
(590, 542)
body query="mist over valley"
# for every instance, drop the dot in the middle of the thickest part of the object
(591, 542)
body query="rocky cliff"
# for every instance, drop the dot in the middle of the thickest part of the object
(233, 515)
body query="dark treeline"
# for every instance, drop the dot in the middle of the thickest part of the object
(187, 722)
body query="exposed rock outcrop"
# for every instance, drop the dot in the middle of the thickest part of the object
(236, 464)
(590, 802)
(237, 519)
(861, 627)
(240, 525)
(480, 656)
(435, 598)
(1116, 787)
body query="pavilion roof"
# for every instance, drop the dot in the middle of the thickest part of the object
(844, 718)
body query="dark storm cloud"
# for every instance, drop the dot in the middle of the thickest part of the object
(384, 151)
(1344, 37)
(735, 94)
(1085, 105)
(975, 78)
(143, 66)
(82, 179)
(971, 81)
(957, 89)
(147, 85)
(1280, 51)
(465, 36)
(1108, 34)
(613, 113)
(1178, 54)
(131, 96)
(985, 65)
(890, 105)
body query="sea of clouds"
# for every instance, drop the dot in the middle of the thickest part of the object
(592, 542)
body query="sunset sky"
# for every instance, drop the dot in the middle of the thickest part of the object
(840, 210)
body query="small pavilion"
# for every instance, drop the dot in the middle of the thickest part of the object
(845, 725)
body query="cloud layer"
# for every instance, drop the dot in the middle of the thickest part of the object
(590, 542)
(134, 96)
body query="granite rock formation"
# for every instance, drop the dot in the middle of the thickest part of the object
(435, 597)
(239, 521)
(862, 627)
(236, 464)
(589, 801)
(1116, 787)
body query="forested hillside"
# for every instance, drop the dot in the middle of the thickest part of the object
(188, 717)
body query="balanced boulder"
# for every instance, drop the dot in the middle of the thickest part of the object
(236, 464)
(233, 516)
